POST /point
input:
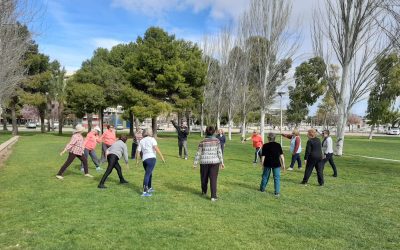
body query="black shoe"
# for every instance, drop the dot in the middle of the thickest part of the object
(303, 183)
(335, 175)
(101, 186)
(321, 185)
(123, 182)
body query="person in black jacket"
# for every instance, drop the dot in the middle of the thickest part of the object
(313, 158)
(182, 138)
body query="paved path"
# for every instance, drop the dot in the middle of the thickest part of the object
(374, 158)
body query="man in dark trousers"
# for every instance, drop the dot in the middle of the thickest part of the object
(182, 138)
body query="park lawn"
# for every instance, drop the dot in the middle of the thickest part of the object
(360, 209)
(4, 136)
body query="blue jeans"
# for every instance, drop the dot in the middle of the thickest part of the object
(265, 177)
(148, 166)
(93, 155)
(295, 157)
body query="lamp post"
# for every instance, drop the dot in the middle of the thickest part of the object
(281, 94)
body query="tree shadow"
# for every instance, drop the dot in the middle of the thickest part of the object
(181, 188)
(249, 186)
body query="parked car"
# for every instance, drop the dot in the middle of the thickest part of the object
(55, 125)
(120, 127)
(30, 125)
(393, 131)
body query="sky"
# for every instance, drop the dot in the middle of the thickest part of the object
(70, 30)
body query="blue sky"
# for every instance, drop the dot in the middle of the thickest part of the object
(71, 30)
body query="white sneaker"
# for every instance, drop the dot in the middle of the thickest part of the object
(60, 177)
(290, 169)
(89, 175)
(214, 199)
(186, 158)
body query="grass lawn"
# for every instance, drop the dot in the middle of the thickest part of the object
(4, 136)
(358, 210)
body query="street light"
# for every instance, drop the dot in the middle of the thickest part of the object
(281, 94)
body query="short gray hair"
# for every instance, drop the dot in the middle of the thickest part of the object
(147, 132)
(271, 137)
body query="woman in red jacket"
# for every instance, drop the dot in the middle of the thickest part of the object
(257, 144)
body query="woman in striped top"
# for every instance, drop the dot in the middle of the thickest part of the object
(209, 154)
(75, 148)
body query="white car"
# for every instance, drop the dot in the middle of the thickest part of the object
(120, 127)
(30, 125)
(393, 131)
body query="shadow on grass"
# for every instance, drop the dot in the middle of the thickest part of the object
(187, 189)
(249, 186)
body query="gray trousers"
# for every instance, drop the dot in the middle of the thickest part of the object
(93, 156)
(183, 144)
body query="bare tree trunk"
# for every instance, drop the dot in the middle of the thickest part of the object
(137, 124)
(372, 130)
(131, 122)
(4, 115)
(154, 126)
(202, 120)
(179, 118)
(60, 117)
(244, 124)
(340, 131)
(230, 123)
(188, 120)
(42, 125)
(90, 121)
(101, 115)
(218, 119)
(13, 108)
(262, 123)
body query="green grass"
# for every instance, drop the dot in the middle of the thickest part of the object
(4, 136)
(360, 209)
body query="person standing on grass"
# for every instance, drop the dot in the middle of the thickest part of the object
(222, 139)
(182, 138)
(209, 154)
(108, 138)
(114, 154)
(148, 147)
(272, 160)
(295, 148)
(313, 158)
(136, 139)
(91, 140)
(257, 144)
(327, 148)
(75, 149)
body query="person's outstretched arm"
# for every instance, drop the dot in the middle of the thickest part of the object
(159, 153)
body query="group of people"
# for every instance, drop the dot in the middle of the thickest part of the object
(271, 156)
(112, 151)
(209, 155)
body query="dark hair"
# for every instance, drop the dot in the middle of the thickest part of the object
(271, 137)
(108, 126)
(326, 131)
(123, 138)
(210, 130)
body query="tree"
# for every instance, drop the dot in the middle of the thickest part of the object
(36, 88)
(326, 112)
(385, 91)
(352, 120)
(267, 23)
(15, 40)
(310, 85)
(168, 70)
(351, 28)
(85, 98)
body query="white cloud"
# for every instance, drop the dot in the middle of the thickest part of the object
(106, 43)
(219, 9)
